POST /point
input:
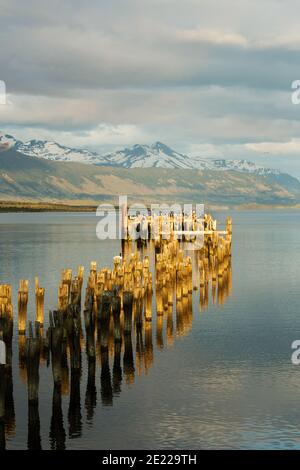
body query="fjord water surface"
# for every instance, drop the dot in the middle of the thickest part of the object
(227, 383)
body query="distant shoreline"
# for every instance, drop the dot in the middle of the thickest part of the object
(44, 207)
(15, 206)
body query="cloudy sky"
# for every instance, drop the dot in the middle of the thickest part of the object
(207, 77)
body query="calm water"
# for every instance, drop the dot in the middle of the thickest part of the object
(227, 383)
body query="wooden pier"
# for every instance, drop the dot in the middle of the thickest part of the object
(151, 282)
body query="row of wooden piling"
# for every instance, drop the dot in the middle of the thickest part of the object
(131, 275)
(115, 300)
(184, 225)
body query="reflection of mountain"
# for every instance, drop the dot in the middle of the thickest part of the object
(33, 179)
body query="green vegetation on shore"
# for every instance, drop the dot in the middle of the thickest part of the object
(23, 206)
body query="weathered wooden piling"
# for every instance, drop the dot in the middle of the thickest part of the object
(170, 327)
(90, 324)
(116, 312)
(6, 308)
(105, 306)
(73, 330)
(148, 302)
(118, 302)
(159, 331)
(22, 305)
(148, 357)
(127, 306)
(39, 302)
(6, 334)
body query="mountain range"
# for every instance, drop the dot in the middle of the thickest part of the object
(25, 178)
(157, 155)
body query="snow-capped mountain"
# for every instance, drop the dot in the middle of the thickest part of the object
(51, 151)
(55, 151)
(157, 155)
(243, 166)
(161, 156)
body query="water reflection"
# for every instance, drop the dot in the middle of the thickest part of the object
(57, 434)
(145, 303)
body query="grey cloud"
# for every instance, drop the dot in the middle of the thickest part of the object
(130, 44)
(189, 72)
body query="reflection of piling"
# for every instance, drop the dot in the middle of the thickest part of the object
(106, 386)
(9, 418)
(91, 391)
(73, 327)
(128, 351)
(56, 342)
(22, 358)
(117, 370)
(148, 304)
(105, 378)
(159, 331)
(179, 318)
(148, 358)
(2, 407)
(104, 316)
(170, 328)
(74, 411)
(57, 435)
(89, 320)
(34, 436)
(140, 349)
(33, 351)
(64, 369)
(128, 359)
